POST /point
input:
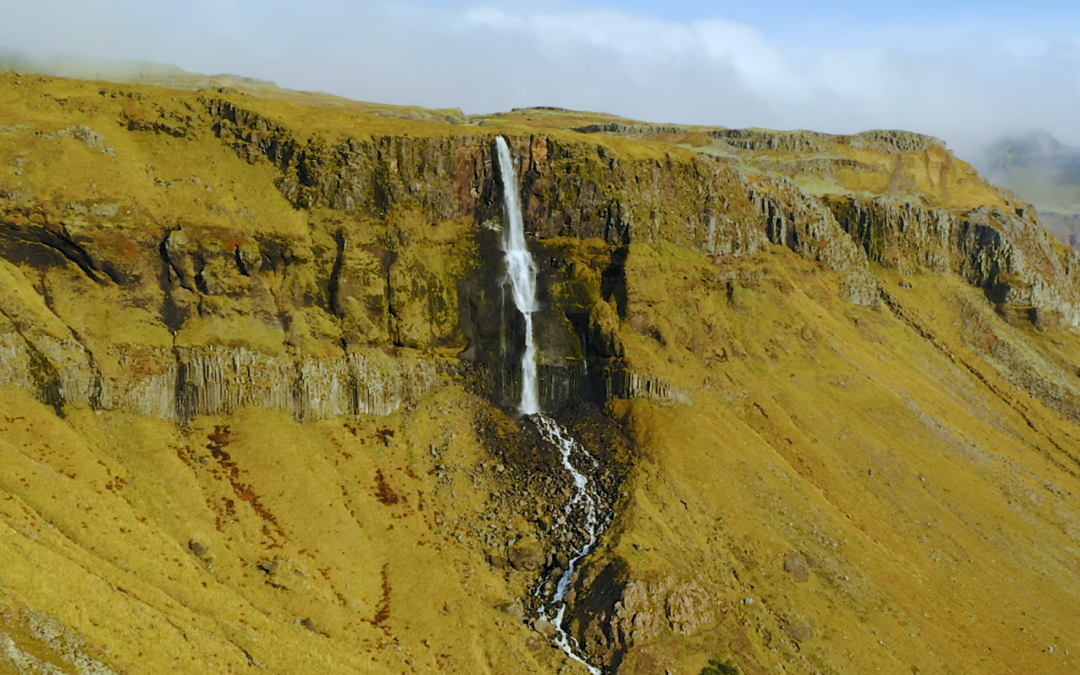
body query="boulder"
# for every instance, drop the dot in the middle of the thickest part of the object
(527, 555)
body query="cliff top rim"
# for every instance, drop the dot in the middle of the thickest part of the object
(153, 75)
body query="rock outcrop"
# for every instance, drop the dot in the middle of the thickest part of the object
(1009, 255)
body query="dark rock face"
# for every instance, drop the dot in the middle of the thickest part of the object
(1008, 255)
(394, 251)
(878, 140)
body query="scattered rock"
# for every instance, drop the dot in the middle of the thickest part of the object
(269, 566)
(545, 628)
(800, 632)
(513, 609)
(496, 560)
(198, 549)
(527, 554)
(311, 626)
(797, 566)
(533, 643)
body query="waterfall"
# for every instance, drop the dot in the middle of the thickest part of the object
(521, 271)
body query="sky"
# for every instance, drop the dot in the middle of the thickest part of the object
(966, 71)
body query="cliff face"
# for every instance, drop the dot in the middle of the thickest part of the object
(272, 335)
(392, 245)
(1008, 255)
(387, 241)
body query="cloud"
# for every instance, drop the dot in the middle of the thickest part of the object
(966, 83)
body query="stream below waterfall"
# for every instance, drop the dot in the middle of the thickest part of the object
(587, 501)
(583, 508)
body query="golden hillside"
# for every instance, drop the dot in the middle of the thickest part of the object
(258, 374)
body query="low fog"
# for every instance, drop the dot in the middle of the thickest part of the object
(967, 83)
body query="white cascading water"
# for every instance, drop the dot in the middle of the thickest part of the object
(521, 271)
(584, 498)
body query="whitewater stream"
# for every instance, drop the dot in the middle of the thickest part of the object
(584, 500)
(521, 272)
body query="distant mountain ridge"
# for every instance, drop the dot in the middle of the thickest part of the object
(1034, 150)
(1043, 170)
(142, 72)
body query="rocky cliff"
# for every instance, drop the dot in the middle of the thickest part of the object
(826, 378)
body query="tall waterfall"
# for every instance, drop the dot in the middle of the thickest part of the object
(521, 271)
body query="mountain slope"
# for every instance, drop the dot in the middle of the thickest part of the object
(258, 376)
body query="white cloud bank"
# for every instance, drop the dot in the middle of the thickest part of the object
(966, 84)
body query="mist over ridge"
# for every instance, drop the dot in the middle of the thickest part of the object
(970, 81)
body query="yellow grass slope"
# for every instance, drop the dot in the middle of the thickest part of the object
(252, 543)
(846, 495)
